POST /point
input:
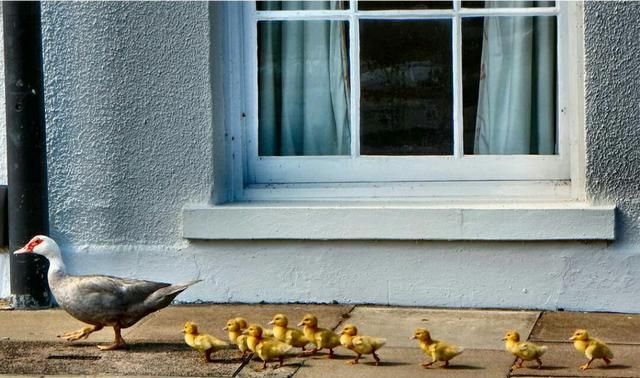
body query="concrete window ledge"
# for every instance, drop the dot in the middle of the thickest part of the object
(399, 221)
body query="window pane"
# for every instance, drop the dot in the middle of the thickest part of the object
(509, 79)
(382, 5)
(406, 87)
(300, 5)
(507, 4)
(303, 88)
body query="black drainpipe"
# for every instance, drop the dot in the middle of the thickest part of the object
(26, 150)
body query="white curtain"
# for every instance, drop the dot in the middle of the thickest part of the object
(303, 85)
(516, 103)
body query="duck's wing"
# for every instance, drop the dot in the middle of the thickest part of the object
(105, 299)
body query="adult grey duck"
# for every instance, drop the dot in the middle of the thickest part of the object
(101, 300)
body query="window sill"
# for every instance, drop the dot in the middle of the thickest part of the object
(400, 221)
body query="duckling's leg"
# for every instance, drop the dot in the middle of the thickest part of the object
(330, 355)
(586, 366)
(445, 365)
(518, 363)
(353, 362)
(606, 360)
(281, 362)
(82, 333)
(207, 355)
(375, 356)
(539, 361)
(264, 365)
(118, 343)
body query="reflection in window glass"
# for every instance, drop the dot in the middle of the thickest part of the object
(300, 5)
(303, 88)
(405, 5)
(406, 87)
(514, 64)
(507, 4)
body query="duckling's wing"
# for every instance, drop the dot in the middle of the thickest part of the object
(296, 338)
(272, 349)
(529, 351)
(598, 349)
(367, 344)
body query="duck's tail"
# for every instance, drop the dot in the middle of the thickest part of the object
(163, 296)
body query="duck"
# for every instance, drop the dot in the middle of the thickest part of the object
(322, 338)
(282, 332)
(266, 348)
(360, 344)
(591, 347)
(436, 349)
(100, 300)
(202, 342)
(235, 328)
(523, 350)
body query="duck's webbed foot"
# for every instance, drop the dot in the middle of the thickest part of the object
(82, 333)
(118, 343)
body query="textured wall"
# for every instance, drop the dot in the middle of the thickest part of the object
(130, 122)
(612, 55)
(128, 117)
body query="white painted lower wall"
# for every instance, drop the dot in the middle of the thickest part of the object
(569, 275)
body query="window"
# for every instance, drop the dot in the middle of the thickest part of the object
(394, 98)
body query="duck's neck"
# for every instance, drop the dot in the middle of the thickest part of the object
(57, 269)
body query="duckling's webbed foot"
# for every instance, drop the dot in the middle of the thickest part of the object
(82, 333)
(427, 364)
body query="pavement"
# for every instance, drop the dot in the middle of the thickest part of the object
(29, 346)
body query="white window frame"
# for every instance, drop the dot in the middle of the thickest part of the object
(537, 177)
(502, 210)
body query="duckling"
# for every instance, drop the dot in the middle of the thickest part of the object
(203, 343)
(235, 329)
(436, 349)
(322, 338)
(291, 336)
(360, 344)
(524, 351)
(242, 322)
(591, 347)
(266, 348)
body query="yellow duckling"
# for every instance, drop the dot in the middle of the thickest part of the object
(291, 336)
(360, 344)
(591, 347)
(436, 349)
(523, 350)
(322, 338)
(234, 327)
(266, 348)
(203, 343)
(242, 322)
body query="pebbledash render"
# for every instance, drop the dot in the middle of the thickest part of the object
(133, 111)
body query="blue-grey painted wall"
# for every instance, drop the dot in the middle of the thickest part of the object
(130, 117)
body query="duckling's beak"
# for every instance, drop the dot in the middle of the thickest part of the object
(225, 328)
(412, 337)
(504, 338)
(271, 322)
(572, 338)
(300, 324)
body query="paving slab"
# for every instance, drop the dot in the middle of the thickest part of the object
(142, 359)
(475, 329)
(167, 324)
(45, 325)
(562, 360)
(405, 362)
(614, 328)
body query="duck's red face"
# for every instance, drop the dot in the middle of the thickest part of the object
(30, 245)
